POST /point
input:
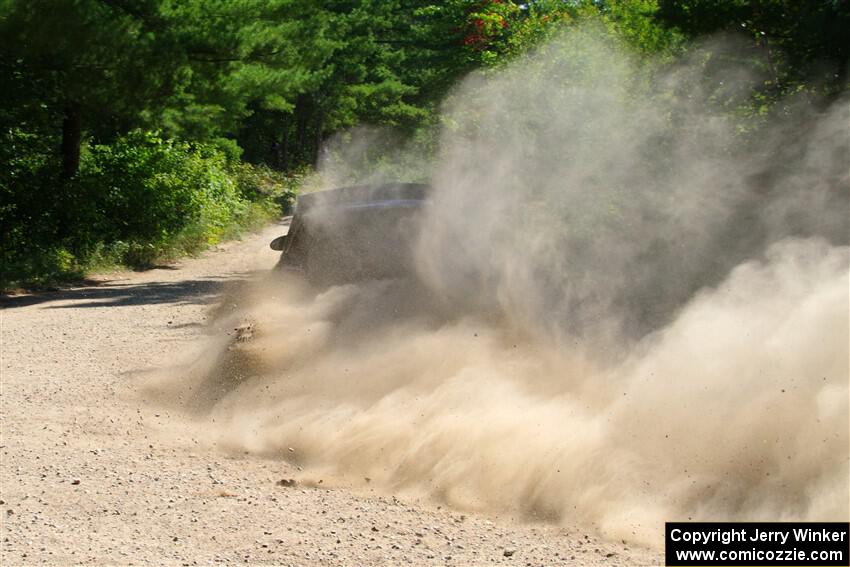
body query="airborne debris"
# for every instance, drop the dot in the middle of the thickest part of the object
(245, 331)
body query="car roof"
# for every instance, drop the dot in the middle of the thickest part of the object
(388, 195)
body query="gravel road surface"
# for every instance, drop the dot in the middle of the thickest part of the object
(93, 474)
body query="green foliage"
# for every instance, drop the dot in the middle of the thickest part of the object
(793, 44)
(136, 201)
(498, 31)
(122, 122)
(188, 68)
(262, 184)
(374, 62)
(637, 23)
(156, 187)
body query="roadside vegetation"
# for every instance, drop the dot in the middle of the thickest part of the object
(136, 201)
(136, 131)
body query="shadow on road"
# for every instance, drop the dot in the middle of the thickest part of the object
(108, 294)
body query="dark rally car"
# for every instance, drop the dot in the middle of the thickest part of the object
(354, 233)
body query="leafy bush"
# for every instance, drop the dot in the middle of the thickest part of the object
(259, 183)
(136, 201)
(143, 188)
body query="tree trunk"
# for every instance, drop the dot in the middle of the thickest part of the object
(72, 136)
(283, 149)
(302, 117)
(317, 144)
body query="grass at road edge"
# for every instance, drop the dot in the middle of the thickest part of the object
(46, 267)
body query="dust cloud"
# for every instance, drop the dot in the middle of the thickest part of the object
(621, 315)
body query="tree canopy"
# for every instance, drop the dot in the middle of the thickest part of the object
(269, 81)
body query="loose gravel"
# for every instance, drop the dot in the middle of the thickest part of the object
(92, 474)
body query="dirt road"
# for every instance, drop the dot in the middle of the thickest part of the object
(94, 474)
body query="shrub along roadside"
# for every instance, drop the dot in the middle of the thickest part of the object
(136, 202)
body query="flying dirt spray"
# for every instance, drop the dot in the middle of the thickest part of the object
(621, 316)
